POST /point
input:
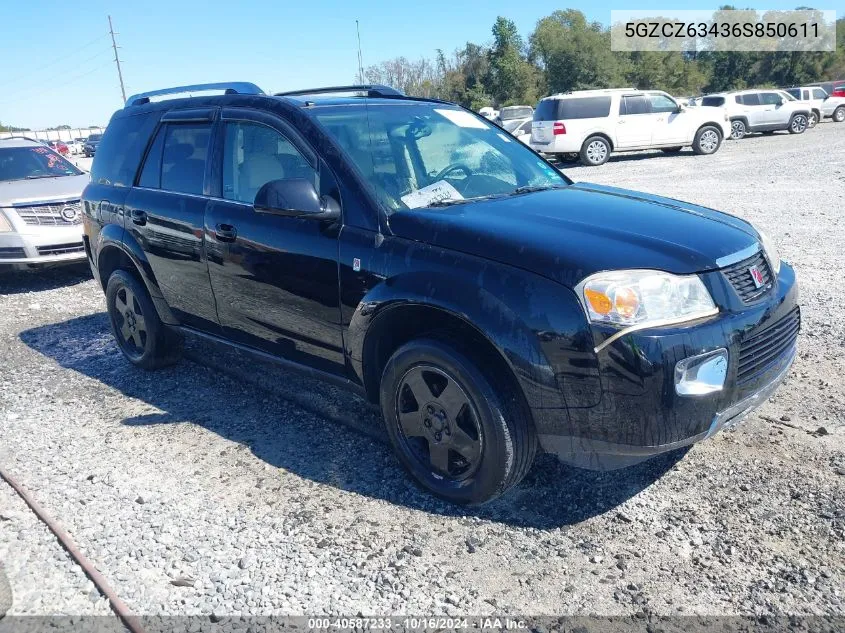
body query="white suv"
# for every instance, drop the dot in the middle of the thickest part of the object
(593, 123)
(822, 105)
(763, 111)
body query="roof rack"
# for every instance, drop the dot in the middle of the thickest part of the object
(372, 90)
(229, 87)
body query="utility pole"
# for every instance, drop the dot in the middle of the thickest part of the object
(117, 61)
(360, 59)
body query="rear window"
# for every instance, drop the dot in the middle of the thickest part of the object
(568, 109)
(121, 148)
(515, 113)
(715, 102)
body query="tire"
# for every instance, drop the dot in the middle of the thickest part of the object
(144, 340)
(813, 119)
(738, 129)
(839, 114)
(480, 435)
(595, 151)
(707, 140)
(798, 124)
(672, 150)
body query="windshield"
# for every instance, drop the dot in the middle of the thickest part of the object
(95, 137)
(22, 163)
(415, 155)
(523, 112)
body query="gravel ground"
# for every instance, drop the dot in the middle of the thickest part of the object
(196, 492)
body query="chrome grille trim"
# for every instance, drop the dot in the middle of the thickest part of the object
(740, 278)
(61, 249)
(49, 214)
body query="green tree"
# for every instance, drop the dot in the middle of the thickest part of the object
(575, 54)
(512, 78)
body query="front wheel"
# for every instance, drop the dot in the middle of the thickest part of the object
(839, 114)
(812, 120)
(738, 130)
(595, 151)
(457, 435)
(144, 340)
(707, 140)
(798, 124)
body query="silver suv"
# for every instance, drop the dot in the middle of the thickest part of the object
(40, 209)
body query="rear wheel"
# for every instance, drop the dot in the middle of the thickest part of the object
(455, 433)
(738, 130)
(707, 140)
(595, 151)
(144, 340)
(813, 119)
(839, 114)
(798, 124)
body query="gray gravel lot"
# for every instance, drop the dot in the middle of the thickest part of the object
(196, 492)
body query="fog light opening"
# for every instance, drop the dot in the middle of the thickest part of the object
(703, 374)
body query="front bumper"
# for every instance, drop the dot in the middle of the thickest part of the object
(50, 245)
(623, 406)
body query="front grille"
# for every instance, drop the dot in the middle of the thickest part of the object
(12, 253)
(51, 214)
(739, 275)
(61, 249)
(758, 352)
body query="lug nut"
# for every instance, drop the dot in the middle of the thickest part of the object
(447, 431)
(438, 436)
(427, 423)
(430, 410)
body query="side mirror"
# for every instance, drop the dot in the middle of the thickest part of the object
(681, 107)
(295, 198)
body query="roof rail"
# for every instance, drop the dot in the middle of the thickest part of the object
(25, 138)
(230, 88)
(372, 90)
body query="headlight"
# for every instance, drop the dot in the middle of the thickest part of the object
(644, 298)
(771, 251)
(5, 225)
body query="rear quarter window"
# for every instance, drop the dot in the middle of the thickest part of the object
(119, 152)
(569, 109)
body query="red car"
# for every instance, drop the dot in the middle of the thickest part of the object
(60, 147)
(833, 88)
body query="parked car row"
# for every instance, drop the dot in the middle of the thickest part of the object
(590, 125)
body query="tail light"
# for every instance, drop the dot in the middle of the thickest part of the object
(558, 128)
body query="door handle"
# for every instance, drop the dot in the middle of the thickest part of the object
(621, 121)
(138, 217)
(226, 232)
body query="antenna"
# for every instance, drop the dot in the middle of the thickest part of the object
(360, 60)
(117, 61)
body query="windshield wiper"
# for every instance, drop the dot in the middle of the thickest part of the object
(533, 188)
(448, 202)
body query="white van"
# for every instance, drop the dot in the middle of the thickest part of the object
(591, 124)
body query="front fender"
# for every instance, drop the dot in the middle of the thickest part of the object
(524, 316)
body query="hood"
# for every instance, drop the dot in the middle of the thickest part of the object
(567, 234)
(19, 192)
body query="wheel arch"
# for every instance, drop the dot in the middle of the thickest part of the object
(604, 135)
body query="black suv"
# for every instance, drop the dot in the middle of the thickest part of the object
(412, 251)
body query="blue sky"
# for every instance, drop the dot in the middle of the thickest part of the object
(55, 57)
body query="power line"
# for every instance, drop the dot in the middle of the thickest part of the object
(57, 60)
(117, 61)
(59, 85)
(360, 59)
(30, 85)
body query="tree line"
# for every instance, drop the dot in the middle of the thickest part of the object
(567, 52)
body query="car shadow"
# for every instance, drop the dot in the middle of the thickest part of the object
(39, 279)
(342, 443)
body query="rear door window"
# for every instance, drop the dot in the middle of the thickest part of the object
(634, 104)
(177, 158)
(750, 99)
(818, 93)
(713, 101)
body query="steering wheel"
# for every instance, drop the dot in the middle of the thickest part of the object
(456, 167)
